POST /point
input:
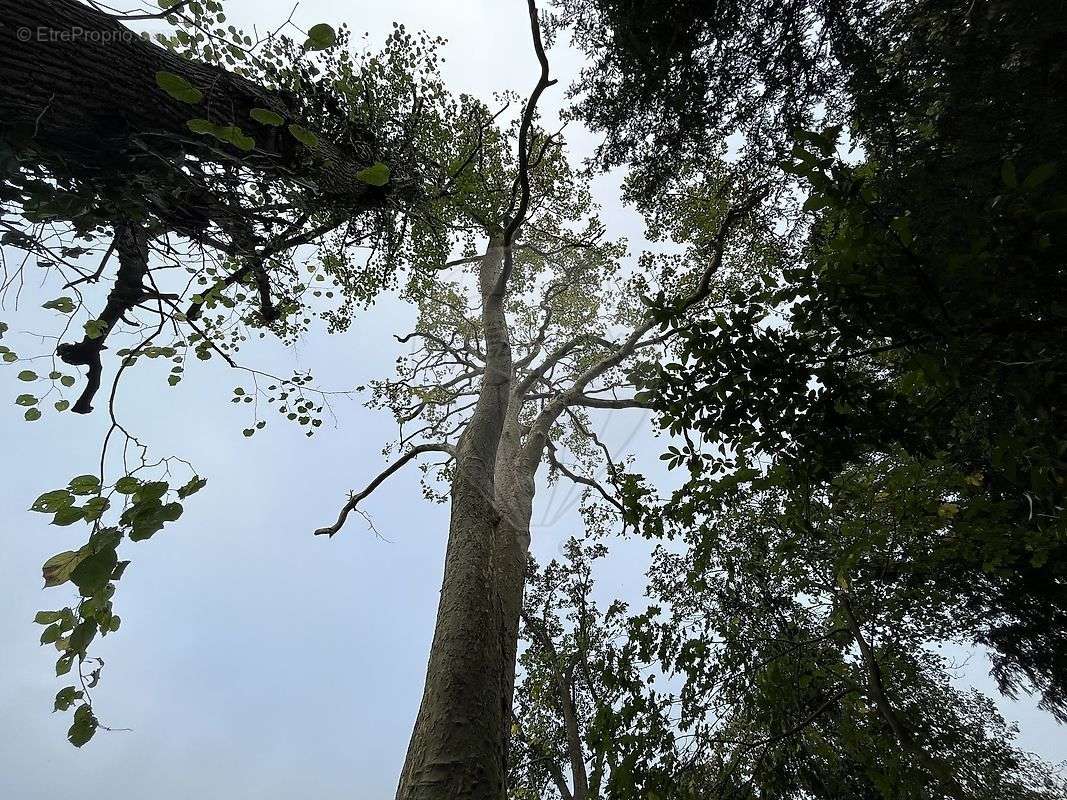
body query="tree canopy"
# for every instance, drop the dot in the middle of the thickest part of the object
(847, 329)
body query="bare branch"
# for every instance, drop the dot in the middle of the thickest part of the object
(540, 427)
(355, 499)
(526, 124)
(606, 402)
(554, 461)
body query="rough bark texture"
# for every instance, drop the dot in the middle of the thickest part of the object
(83, 87)
(458, 747)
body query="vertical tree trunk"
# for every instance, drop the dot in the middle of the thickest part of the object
(458, 748)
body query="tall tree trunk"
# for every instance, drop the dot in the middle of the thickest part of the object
(458, 748)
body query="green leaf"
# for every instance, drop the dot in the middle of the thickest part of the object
(375, 175)
(902, 228)
(63, 664)
(84, 726)
(1039, 175)
(47, 617)
(304, 136)
(65, 698)
(84, 484)
(95, 328)
(192, 487)
(236, 137)
(32, 414)
(51, 633)
(816, 202)
(58, 568)
(171, 512)
(27, 375)
(67, 380)
(63, 305)
(95, 508)
(25, 400)
(200, 125)
(127, 485)
(51, 502)
(178, 87)
(83, 636)
(93, 573)
(1007, 174)
(265, 116)
(68, 516)
(151, 491)
(320, 37)
(62, 405)
(231, 134)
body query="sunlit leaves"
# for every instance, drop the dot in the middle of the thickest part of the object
(320, 37)
(303, 135)
(375, 175)
(265, 116)
(230, 134)
(178, 87)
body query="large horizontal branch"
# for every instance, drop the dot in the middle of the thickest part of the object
(356, 499)
(83, 89)
(608, 402)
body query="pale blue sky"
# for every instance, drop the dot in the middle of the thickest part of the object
(254, 660)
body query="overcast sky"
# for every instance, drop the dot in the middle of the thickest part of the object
(255, 660)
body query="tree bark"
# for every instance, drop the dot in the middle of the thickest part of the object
(458, 748)
(82, 88)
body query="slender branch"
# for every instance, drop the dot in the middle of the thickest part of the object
(355, 499)
(876, 689)
(525, 125)
(553, 459)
